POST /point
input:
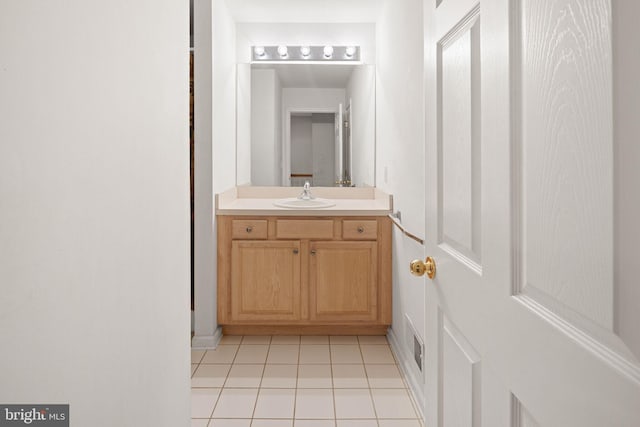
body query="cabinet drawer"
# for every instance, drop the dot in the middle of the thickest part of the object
(249, 229)
(304, 229)
(359, 230)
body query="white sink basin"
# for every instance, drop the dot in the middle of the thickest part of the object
(295, 203)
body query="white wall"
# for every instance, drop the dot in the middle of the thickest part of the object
(363, 117)
(94, 209)
(265, 124)
(352, 11)
(279, 133)
(224, 97)
(215, 150)
(313, 34)
(243, 128)
(301, 148)
(400, 148)
(203, 252)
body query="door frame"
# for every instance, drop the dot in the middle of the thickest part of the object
(286, 141)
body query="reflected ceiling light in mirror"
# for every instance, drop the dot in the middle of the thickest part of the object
(259, 51)
(306, 54)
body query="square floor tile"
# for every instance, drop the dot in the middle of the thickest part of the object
(314, 354)
(314, 376)
(314, 404)
(203, 400)
(223, 354)
(373, 339)
(272, 423)
(357, 423)
(314, 339)
(349, 376)
(252, 354)
(314, 423)
(377, 354)
(236, 403)
(199, 422)
(244, 376)
(196, 355)
(343, 339)
(283, 354)
(231, 339)
(393, 403)
(230, 423)
(345, 354)
(384, 376)
(285, 339)
(275, 403)
(256, 339)
(211, 376)
(280, 376)
(354, 403)
(399, 423)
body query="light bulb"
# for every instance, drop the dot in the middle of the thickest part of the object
(259, 51)
(350, 51)
(305, 51)
(282, 51)
(328, 51)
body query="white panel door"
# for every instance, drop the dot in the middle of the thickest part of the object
(521, 317)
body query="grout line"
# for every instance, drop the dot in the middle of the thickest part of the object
(296, 388)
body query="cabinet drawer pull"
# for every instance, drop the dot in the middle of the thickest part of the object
(295, 251)
(360, 229)
(313, 251)
(249, 229)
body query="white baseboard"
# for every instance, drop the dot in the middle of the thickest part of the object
(206, 342)
(407, 365)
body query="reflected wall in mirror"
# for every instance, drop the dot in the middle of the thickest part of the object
(299, 122)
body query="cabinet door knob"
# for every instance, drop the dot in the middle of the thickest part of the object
(249, 229)
(313, 251)
(295, 251)
(360, 229)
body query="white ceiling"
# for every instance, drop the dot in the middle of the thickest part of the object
(307, 75)
(305, 11)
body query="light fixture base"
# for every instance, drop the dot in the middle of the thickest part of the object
(342, 54)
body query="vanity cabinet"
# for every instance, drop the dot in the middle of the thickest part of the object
(304, 275)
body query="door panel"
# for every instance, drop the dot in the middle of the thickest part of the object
(343, 281)
(519, 217)
(566, 154)
(460, 390)
(521, 417)
(265, 280)
(459, 166)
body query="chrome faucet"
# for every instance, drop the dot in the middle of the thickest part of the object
(306, 192)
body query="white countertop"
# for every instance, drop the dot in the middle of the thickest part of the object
(361, 201)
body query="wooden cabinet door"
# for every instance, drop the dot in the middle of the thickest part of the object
(343, 281)
(265, 280)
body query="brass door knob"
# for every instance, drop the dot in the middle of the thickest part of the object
(419, 267)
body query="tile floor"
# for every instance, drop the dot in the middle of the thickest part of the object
(292, 381)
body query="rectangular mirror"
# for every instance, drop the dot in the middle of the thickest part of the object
(305, 122)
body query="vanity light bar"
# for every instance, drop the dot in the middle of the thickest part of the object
(305, 53)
